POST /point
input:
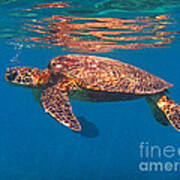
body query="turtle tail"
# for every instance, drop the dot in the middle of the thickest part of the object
(165, 110)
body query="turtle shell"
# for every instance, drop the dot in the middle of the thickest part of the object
(105, 74)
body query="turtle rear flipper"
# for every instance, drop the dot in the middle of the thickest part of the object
(56, 102)
(157, 112)
(165, 109)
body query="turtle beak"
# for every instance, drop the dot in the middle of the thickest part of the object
(11, 75)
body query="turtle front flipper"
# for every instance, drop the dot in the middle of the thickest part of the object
(168, 110)
(56, 102)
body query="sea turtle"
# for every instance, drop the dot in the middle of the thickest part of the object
(96, 79)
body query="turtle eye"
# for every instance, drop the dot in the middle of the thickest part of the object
(51, 65)
(12, 75)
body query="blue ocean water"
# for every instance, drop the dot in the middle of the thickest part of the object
(33, 146)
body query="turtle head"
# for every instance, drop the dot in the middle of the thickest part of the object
(27, 77)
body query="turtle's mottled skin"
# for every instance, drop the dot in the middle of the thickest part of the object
(97, 79)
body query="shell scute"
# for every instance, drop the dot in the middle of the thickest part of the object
(106, 74)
